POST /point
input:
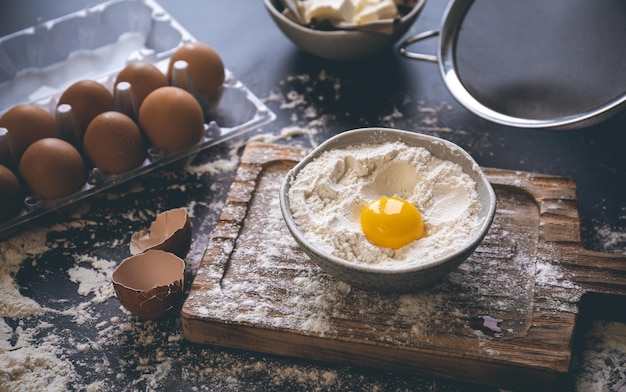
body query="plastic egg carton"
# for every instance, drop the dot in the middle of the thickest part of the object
(38, 63)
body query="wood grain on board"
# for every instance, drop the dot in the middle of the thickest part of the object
(506, 317)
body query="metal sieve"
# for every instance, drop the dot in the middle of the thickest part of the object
(557, 64)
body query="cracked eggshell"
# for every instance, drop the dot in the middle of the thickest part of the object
(150, 285)
(170, 231)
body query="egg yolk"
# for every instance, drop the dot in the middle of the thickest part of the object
(391, 222)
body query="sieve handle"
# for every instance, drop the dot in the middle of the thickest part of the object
(419, 37)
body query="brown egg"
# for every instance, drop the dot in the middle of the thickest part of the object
(205, 66)
(26, 124)
(113, 143)
(150, 285)
(144, 77)
(170, 231)
(52, 168)
(172, 119)
(5, 151)
(87, 98)
(11, 195)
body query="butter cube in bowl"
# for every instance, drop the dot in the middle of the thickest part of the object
(344, 30)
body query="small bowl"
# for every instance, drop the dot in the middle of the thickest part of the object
(341, 45)
(405, 276)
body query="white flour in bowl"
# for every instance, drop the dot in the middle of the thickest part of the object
(328, 194)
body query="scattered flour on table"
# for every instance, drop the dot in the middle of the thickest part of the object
(285, 134)
(612, 240)
(27, 363)
(33, 364)
(220, 165)
(12, 254)
(603, 364)
(327, 195)
(95, 280)
(298, 96)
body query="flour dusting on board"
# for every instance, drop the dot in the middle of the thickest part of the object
(268, 281)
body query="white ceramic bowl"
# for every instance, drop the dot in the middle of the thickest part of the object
(405, 276)
(341, 44)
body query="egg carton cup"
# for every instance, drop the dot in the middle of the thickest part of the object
(38, 63)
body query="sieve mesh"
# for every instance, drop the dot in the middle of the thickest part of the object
(542, 59)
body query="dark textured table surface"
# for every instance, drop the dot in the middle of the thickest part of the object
(63, 328)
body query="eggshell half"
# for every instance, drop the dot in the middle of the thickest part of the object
(150, 285)
(170, 231)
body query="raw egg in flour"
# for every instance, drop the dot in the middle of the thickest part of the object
(391, 222)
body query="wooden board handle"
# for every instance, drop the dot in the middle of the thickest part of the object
(598, 272)
(594, 272)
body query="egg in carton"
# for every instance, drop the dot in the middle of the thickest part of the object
(125, 51)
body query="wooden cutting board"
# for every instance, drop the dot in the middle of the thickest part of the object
(505, 318)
